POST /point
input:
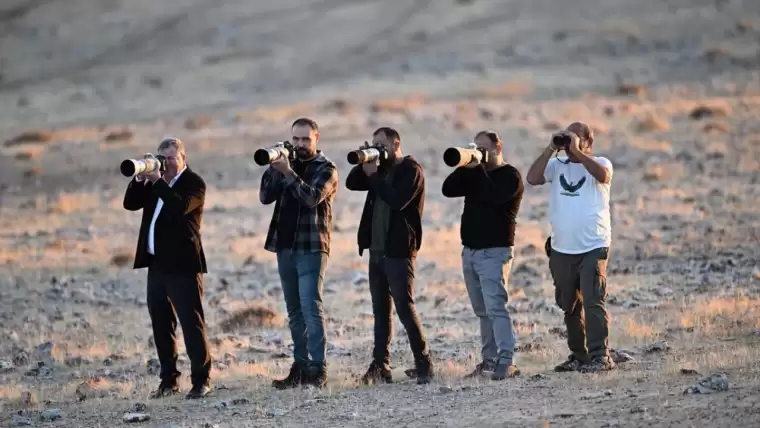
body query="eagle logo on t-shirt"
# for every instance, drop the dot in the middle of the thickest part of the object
(570, 188)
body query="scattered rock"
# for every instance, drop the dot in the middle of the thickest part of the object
(21, 421)
(538, 376)
(50, 415)
(153, 366)
(716, 382)
(135, 417)
(275, 412)
(630, 304)
(32, 136)
(689, 372)
(659, 346)
(445, 389)
(6, 366)
(620, 356)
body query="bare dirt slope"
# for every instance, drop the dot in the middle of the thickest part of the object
(671, 87)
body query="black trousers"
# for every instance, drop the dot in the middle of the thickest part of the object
(172, 296)
(392, 279)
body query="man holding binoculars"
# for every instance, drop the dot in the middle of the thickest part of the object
(171, 196)
(391, 228)
(303, 186)
(492, 191)
(578, 247)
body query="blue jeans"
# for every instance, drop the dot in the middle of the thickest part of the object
(302, 276)
(486, 276)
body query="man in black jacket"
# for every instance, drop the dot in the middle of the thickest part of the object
(492, 194)
(169, 245)
(391, 228)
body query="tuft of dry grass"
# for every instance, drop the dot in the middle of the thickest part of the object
(31, 136)
(255, 316)
(651, 123)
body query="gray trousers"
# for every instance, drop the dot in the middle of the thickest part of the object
(486, 275)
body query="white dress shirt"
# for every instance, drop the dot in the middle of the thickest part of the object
(159, 205)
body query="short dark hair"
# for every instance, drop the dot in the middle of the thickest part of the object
(389, 132)
(305, 121)
(493, 136)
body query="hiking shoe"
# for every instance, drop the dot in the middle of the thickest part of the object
(570, 365)
(598, 364)
(295, 377)
(424, 371)
(165, 389)
(198, 391)
(377, 373)
(316, 375)
(505, 369)
(480, 369)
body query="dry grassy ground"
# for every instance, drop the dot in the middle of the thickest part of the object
(101, 81)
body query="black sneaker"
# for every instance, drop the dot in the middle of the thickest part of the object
(165, 389)
(294, 379)
(598, 364)
(198, 391)
(377, 373)
(572, 364)
(480, 369)
(315, 375)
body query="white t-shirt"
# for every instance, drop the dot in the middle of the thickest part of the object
(579, 207)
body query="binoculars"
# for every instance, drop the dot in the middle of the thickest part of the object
(268, 155)
(150, 163)
(460, 156)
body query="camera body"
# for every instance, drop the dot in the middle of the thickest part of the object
(368, 155)
(150, 163)
(268, 155)
(460, 156)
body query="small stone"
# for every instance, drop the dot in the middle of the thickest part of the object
(659, 346)
(6, 366)
(20, 421)
(135, 417)
(716, 382)
(50, 414)
(620, 356)
(445, 389)
(240, 401)
(538, 376)
(689, 372)
(630, 304)
(275, 412)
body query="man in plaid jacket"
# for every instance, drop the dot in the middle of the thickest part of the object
(299, 233)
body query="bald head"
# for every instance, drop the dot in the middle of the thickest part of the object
(583, 132)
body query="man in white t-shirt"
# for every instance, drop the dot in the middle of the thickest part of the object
(578, 249)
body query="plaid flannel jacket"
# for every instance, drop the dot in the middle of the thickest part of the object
(312, 196)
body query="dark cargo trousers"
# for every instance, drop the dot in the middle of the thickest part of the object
(580, 283)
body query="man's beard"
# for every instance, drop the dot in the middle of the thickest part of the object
(304, 153)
